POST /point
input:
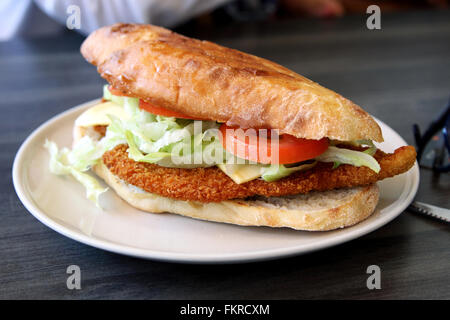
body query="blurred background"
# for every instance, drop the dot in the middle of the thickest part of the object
(46, 17)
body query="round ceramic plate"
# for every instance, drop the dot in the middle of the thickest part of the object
(60, 203)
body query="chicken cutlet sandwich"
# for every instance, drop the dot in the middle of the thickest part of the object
(193, 128)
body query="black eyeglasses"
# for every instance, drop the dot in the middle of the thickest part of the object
(433, 147)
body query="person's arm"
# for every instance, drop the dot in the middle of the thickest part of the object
(98, 13)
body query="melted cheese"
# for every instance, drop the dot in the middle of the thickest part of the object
(241, 173)
(97, 115)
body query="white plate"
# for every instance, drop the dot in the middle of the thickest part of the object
(60, 203)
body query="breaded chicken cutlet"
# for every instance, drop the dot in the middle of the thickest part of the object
(212, 185)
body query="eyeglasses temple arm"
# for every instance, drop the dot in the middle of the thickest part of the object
(434, 127)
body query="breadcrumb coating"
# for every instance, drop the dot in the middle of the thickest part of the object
(212, 185)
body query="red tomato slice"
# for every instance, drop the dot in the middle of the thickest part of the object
(250, 146)
(116, 92)
(163, 111)
(149, 107)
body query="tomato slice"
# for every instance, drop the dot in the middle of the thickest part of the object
(149, 107)
(163, 111)
(116, 92)
(251, 146)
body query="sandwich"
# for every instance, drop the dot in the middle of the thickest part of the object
(193, 128)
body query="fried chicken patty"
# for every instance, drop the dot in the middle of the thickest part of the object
(212, 185)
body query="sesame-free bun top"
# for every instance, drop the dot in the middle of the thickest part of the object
(208, 81)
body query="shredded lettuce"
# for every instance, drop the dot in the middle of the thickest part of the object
(167, 141)
(358, 143)
(106, 93)
(336, 164)
(75, 162)
(372, 148)
(135, 154)
(347, 156)
(276, 172)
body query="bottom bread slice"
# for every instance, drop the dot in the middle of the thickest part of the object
(315, 211)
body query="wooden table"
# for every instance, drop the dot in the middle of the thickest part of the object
(400, 74)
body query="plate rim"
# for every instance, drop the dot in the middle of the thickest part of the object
(178, 257)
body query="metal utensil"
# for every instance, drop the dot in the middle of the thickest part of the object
(430, 210)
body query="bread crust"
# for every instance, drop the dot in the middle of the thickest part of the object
(209, 81)
(342, 208)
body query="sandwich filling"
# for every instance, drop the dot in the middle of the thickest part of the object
(174, 155)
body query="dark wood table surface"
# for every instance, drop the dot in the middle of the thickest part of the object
(400, 74)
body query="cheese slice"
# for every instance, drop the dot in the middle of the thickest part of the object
(97, 115)
(241, 173)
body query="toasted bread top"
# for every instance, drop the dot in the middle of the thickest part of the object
(206, 80)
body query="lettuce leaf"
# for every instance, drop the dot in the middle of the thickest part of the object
(372, 148)
(347, 156)
(276, 172)
(135, 154)
(75, 162)
(168, 141)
